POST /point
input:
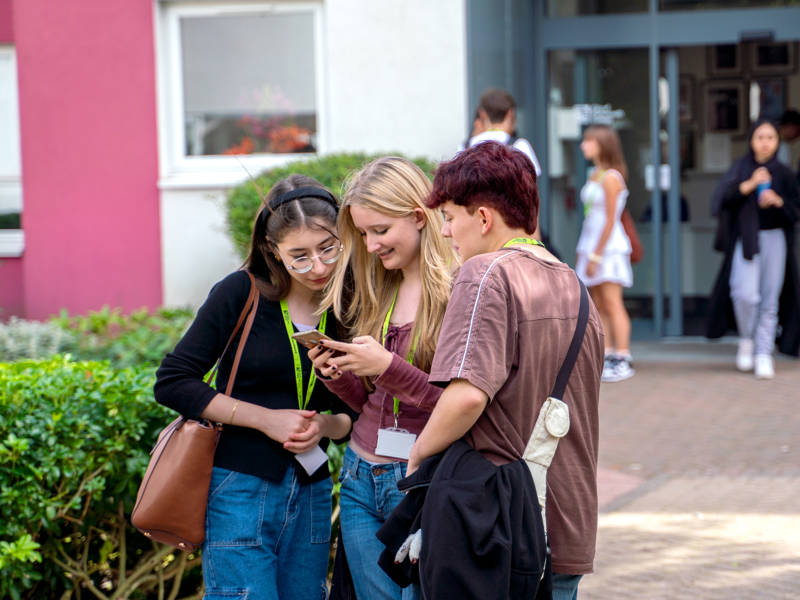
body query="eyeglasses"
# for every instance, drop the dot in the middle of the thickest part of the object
(328, 256)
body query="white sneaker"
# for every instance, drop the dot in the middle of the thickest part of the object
(609, 365)
(620, 369)
(744, 355)
(765, 369)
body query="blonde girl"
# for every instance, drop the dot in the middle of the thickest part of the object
(401, 269)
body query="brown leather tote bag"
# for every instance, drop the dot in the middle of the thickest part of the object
(637, 249)
(172, 498)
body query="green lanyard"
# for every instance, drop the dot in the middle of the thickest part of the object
(298, 369)
(523, 240)
(587, 206)
(411, 351)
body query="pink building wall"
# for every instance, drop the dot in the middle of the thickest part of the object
(12, 300)
(6, 22)
(89, 154)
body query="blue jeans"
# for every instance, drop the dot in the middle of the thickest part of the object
(367, 497)
(565, 587)
(266, 540)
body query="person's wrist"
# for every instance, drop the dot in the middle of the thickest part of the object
(385, 362)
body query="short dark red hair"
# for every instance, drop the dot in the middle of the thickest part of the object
(493, 175)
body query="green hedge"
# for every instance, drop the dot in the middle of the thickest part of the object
(141, 337)
(331, 170)
(74, 442)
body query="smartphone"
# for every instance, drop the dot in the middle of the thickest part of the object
(310, 338)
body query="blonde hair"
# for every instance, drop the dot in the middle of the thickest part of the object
(394, 187)
(610, 148)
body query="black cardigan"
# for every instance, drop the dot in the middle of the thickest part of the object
(266, 377)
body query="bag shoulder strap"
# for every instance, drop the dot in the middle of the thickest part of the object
(248, 312)
(574, 347)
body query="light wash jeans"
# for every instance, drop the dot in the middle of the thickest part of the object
(266, 540)
(565, 587)
(367, 497)
(756, 288)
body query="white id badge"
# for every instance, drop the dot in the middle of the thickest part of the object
(312, 460)
(395, 443)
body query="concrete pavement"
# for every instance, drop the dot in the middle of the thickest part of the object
(699, 479)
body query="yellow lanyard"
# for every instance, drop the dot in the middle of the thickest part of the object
(523, 240)
(298, 368)
(411, 351)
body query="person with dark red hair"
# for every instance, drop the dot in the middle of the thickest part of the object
(511, 319)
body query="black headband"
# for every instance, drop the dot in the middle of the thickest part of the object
(304, 192)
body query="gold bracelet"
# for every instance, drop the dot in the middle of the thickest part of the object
(233, 411)
(595, 258)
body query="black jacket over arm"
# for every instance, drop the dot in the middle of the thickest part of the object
(482, 531)
(266, 377)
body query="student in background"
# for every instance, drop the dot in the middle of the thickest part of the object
(604, 251)
(498, 116)
(757, 204)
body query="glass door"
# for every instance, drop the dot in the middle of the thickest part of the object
(608, 86)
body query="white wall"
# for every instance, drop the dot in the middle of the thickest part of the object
(396, 76)
(196, 251)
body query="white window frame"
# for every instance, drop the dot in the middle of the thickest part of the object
(179, 170)
(12, 241)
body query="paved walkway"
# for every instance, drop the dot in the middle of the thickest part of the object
(699, 479)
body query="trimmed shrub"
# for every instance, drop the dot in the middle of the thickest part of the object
(139, 338)
(74, 443)
(31, 339)
(331, 170)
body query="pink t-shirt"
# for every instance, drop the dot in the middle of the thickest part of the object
(509, 322)
(401, 380)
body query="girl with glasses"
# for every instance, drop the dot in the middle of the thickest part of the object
(401, 268)
(269, 505)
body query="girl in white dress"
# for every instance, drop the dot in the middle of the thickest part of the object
(604, 250)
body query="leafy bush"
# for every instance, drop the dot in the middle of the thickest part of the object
(74, 443)
(330, 170)
(139, 338)
(31, 339)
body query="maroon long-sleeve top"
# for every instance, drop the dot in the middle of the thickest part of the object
(401, 380)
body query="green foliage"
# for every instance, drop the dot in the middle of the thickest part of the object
(331, 170)
(74, 443)
(139, 338)
(31, 339)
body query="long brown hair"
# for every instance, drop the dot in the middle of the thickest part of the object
(610, 146)
(395, 187)
(270, 226)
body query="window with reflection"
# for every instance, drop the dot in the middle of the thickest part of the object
(248, 82)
